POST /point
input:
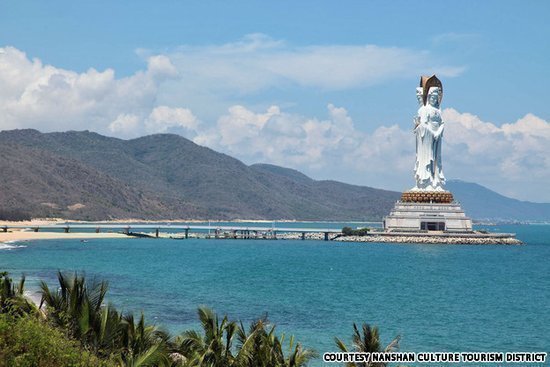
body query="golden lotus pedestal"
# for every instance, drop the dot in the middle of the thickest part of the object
(427, 211)
(442, 197)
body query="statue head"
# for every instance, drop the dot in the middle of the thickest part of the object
(419, 96)
(427, 83)
(433, 97)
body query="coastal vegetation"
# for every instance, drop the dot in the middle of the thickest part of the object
(348, 231)
(72, 326)
(367, 341)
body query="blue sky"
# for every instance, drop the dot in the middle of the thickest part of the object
(324, 87)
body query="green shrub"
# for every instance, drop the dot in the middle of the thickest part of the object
(348, 231)
(29, 342)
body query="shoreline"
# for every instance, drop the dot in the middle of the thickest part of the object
(18, 236)
(21, 236)
(432, 240)
(370, 238)
(25, 233)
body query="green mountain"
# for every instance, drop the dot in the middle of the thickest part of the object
(84, 175)
(481, 203)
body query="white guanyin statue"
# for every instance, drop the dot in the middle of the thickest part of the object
(429, 126)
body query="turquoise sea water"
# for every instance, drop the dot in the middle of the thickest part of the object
(438, 298)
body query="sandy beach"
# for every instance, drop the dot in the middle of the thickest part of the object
(29, 235)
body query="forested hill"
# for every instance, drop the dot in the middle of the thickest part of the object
(84, 175)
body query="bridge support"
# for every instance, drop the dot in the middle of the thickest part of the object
(157, 233)
(97, 229)
(186, 233)
(67, 229)
(126, 230)
(5, 229)
(303, 236)
(326, 236)
(274, 235)
(35, 229)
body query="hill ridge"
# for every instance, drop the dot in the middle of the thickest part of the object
(166, 176)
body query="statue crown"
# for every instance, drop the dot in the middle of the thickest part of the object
(427, 82)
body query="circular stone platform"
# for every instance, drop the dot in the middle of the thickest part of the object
(443, 197)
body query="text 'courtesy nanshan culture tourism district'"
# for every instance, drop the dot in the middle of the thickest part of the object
(428, 206)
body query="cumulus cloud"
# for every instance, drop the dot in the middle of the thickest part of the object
(282, 138)
(34, 95)
(164, 118)
(37, 95)
(125, 124)
(513, 159)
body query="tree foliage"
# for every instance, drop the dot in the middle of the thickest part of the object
(73, 326)
(367, 341)
(348, 231)
(27, 341)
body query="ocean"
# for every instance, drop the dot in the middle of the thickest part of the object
(438, 298)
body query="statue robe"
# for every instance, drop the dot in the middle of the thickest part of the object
(429, 134)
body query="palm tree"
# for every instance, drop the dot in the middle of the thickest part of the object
(76, 304)
(298, 356)
(256, 347)
(105, 335)
(367, 341)
(12, 298)
(214, 348)
(143, 345)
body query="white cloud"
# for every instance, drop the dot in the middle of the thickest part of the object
(281, 138)
(164, 118)
(125, 124)
(161, 67)
(258, 61)
(513, 159)
(34, 95)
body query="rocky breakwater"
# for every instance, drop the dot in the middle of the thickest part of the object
(433, 239)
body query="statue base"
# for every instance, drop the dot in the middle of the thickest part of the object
(424, 211)
(418, 196)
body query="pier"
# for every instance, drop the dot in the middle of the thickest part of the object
(184, 231)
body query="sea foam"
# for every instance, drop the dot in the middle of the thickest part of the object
(10, 246)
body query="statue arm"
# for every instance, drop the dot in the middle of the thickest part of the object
(439, 130)
(416, 122)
